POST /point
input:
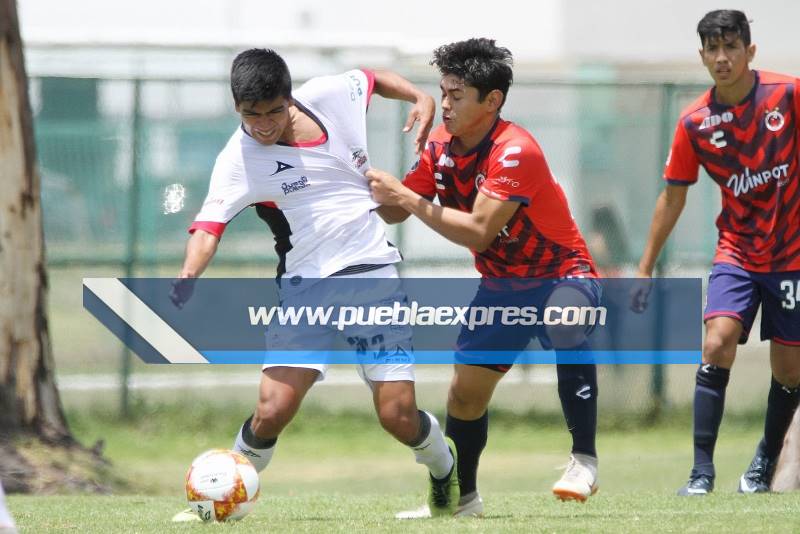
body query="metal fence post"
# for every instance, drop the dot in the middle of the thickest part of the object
(131, 253)
(400, 165)
(659, 379)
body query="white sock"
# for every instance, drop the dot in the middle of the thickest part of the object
(5, 518)
(433, 450)
(258, 457)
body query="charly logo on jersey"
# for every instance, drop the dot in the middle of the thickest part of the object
(281, 167)
(297, 185)
(774, 120)
(510, 151)
(716, 120)
(358, 157)
(718, 139)
(744, 182)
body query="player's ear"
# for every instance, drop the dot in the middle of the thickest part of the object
(751, 52)
(495, 99)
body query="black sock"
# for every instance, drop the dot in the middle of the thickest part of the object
(254, 441)
(424, 429)
(577, 389)
(709, 403)
(469, 438)
(781, 404)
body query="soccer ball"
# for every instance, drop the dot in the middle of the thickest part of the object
(221, 485)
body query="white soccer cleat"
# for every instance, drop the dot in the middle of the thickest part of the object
(579, 480)
(185, 516)
(423, 512)
(471, 508)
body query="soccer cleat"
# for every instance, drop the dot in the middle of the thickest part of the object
(185, 516)
(471, 508)
(579, 480)
(698, 485)
(443, 495)
(758, 477)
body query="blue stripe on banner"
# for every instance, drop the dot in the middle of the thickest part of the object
(449, 357)
(120, 328)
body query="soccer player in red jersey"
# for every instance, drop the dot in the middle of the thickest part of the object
(498, 198)
(744, 132)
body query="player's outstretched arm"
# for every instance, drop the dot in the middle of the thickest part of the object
(668, 209)
(476, 230)
(391, 85)
(199, 250)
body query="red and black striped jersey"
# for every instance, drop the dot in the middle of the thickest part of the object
(541, 240)
(751, 151)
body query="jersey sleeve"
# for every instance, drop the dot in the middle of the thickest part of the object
(370, 84)
(682, 163)
(420, 178)
(517, 170)
(796, 98)
(228, 194)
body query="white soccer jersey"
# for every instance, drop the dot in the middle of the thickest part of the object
(316, 192)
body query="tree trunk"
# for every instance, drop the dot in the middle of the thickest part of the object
(29, 400)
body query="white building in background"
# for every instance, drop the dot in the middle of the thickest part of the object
(554, 35)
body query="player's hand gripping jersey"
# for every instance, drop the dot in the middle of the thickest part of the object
(541, 239)
(314, 195)
(751, 151)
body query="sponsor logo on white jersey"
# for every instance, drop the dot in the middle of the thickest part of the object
(744, 182)
(716, 120)
(297, 185)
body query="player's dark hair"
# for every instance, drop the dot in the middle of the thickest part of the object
(479, 62)
(259, 74)
(723, 22)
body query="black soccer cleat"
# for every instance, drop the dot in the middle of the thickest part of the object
(758, 477)
(698, 486)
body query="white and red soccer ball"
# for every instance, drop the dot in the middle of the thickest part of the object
(221, 485)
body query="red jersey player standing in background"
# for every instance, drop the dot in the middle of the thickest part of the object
(744, 132)
(499, 199)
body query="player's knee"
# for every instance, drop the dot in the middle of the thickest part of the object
(787, 378)
(270, 418)
(464, 405)
(399, 419)
(717, 350)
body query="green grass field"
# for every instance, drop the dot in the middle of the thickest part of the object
(345, 512)
(341, 472)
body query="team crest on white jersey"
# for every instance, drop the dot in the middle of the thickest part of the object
(774, 120)
(359, 157)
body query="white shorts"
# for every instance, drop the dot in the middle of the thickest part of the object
(392, 341)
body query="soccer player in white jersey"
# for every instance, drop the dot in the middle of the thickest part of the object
(299, 157)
